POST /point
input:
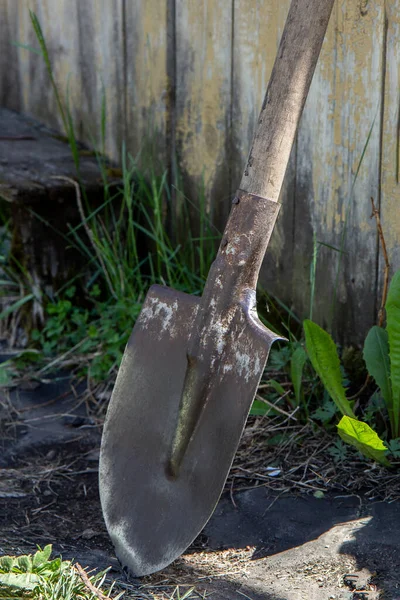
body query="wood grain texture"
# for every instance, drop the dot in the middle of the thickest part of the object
(390, 174)
(203, 100)
(147, 87)
(332, 199)
(258, 27)
(9, 76)
(85, 46)
(185, 80)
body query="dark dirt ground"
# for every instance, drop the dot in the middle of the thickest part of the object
(259, 544)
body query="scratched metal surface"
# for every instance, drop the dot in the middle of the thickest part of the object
(144, 507)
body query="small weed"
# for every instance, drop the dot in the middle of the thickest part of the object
(394, 448)
(382, 359)
(326, 411)
(338, 451)
(38, 577)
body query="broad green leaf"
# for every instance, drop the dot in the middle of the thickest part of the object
(361, 436)
(376, 356)
(6, 563)
(23, 581)
(55, 565)
(259, 408)
(297, 362)
(324, 358)
(24, 563)
(393, 328)
(42, 556)
(276, 386)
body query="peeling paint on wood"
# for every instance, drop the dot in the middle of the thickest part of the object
(203, 98)
(147, 86)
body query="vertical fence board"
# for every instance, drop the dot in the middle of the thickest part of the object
(332, 201)
(390, 175)
(9, 75)
(203, 100)
(258, 27)
(147, 83)
(84, 41)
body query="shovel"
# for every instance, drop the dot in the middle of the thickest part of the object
(192, 365)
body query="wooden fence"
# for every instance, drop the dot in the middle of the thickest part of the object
(190, 76)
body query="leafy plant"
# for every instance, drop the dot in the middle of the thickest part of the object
(382, 358)
(38, 577)
(394, 448)
(338, 451)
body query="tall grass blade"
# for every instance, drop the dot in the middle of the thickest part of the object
(16, 305)
(43, 47)
(27, 47)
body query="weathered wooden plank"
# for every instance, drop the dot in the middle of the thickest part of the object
(203, 100)
(85, 43)
(9, 75)
(258, 27)
(332, 200)
(147, 89)
(390, 174)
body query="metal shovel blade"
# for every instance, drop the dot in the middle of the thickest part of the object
(152, 516)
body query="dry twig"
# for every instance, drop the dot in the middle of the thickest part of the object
(375, 214)
(84, 576)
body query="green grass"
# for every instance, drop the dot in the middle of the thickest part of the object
(40, 577)
(125, 248)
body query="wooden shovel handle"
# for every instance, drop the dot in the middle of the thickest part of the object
(285, 97)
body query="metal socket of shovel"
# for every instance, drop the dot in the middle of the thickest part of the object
(192, 366)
